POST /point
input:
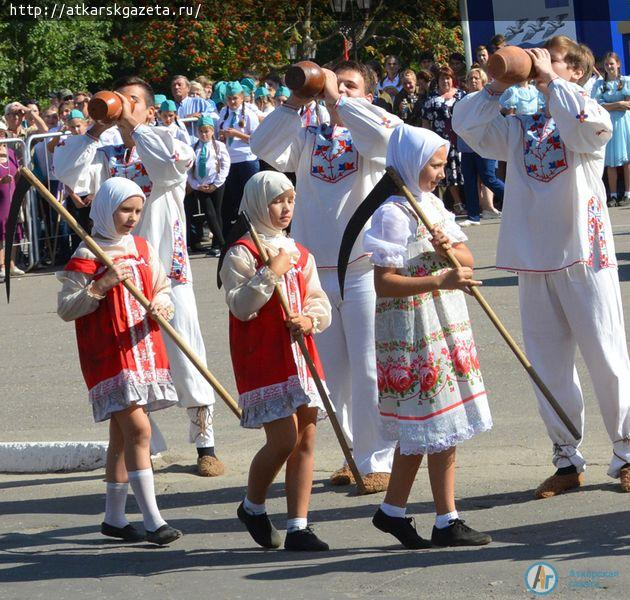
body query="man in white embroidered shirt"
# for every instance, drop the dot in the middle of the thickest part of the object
(556, 233)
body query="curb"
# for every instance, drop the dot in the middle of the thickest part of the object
(51, 457)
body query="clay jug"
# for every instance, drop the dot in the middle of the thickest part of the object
(305, 79)
(106, 107)
(511, 64)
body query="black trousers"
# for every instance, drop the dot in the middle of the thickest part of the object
(82, 215)
(211, 206)
(238, 176)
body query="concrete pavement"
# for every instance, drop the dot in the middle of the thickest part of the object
(50, 545)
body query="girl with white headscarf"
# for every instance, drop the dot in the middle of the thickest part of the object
(431, 393)
(122, 354)
(276, 390)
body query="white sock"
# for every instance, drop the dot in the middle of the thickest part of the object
(254, 509)
(115, 500)
(442, 521)
(626, 194)
(144, 490)
(296, 524)
(613, 194)
(394, 511)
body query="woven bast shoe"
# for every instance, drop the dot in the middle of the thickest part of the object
(342, 476)
(210, 466)
(558, 484)
(624, 478)
(375, 482)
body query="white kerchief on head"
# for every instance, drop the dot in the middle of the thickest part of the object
(409, 150)
(108, 198)
(260, 191)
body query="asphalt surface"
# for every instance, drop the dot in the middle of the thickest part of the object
(50, 545)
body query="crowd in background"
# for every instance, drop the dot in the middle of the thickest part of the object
(217, 119)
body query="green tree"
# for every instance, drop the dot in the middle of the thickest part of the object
(37, 57)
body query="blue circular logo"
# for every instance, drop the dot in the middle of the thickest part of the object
(541, 578)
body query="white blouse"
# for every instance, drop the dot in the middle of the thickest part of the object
(76, 299)
(248, 289)
(394, 227)
(217, 167)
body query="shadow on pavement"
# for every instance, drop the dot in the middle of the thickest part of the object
(569, 539)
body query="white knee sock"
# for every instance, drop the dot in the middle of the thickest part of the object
(296, 524)
(442, 521)
(254, 509)
(394, 511)
(144, 490)
(115, 500)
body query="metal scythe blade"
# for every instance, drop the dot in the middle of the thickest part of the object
(22, 186)
(382, 190)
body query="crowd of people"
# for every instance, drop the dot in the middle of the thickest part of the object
(396, 351)
(473, 186)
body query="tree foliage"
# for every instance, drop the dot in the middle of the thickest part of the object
(230, 36)
(37, 57)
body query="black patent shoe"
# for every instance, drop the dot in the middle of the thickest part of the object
(260, 528)
(459, 534)
(304, 540)
(128, 533)
(164, 535)
(402, 528)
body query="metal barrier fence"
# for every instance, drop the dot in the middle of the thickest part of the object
(39, 231)
(27, 223)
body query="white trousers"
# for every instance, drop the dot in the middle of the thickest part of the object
(348, 357)
(578, 307)
(194, 392)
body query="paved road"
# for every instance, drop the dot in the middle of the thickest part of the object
(49, 541)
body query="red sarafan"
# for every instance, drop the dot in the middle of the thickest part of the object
(511, 64)
(305, 79)
(106, 106)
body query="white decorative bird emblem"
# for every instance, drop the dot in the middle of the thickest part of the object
(554, 24)
(513, 30)
(535, 28)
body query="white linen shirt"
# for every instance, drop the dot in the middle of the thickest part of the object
(554, 212)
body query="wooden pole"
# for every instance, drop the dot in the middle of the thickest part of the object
(311, 367)
(134, 291)
(520, 355)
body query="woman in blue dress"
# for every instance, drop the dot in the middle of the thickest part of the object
(613, 93)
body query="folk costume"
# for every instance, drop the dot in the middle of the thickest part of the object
(556, 234)
(271, 376)
(158, 163)
(336, 167)
(122, 354)
(431, 393)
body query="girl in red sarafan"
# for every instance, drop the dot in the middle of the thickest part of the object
(121, 351)
(276, 390)
(431, 394)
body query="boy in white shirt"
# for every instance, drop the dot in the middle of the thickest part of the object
(556, 233)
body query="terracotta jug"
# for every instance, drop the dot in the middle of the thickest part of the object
(511, 64)
(305, 79)
(106, 107)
